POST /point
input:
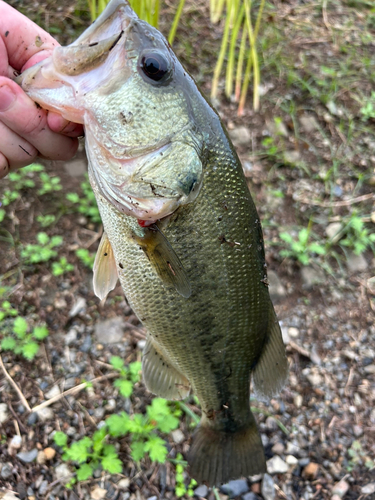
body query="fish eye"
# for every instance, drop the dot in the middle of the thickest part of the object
(155, 66)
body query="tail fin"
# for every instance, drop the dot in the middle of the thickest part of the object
(216, 456)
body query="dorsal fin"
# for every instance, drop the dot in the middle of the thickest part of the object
(105, 271)
(164, 259)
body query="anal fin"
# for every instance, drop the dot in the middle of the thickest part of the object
(271, 371)
(160, 376)
(105, 270)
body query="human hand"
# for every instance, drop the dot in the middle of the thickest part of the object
(26, 130)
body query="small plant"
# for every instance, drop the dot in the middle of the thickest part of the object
(49, 184)
(7, 310)
(86, 257)
(43, 251)
(46, 220)
(358, 236)
(301, 249)
(368, 110)
(85, 204)
(358, 456)
(61, 267)
(181, 488)
(129, 375)
(22, 342)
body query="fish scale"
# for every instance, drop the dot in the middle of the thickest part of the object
(180, 230)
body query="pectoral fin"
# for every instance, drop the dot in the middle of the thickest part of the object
(164, 259)
(105, 271)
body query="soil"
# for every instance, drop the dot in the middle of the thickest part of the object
(317, 168)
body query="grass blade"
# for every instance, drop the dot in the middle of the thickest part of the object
(176, 20)
(220, 60)
(232, 49)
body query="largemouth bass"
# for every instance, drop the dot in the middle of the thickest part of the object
(181, 230)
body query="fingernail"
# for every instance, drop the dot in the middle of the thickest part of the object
(7, 96)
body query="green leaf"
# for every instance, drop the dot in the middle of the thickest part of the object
(40, 332)
(125, 387)
(156, 448)
(112, 464)
(286, 237)
(42, 238)
(56, 241)
(137, 450)
(316, 248)
(8, 344)
(20, 327)
(60, 438)
(135, 371)
(30, 350)
(79, 451)
(160, 412)
(72, 197)
(84, 472)
(118, 424)
(117, 362)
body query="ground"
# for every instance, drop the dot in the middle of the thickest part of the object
(309, 157)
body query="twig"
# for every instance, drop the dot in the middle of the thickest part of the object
(299, 349)
(15, 386)
(343, 203)
(73, 390)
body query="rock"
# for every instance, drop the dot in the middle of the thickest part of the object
(298, 400)
(110, 331)
(63, 474)
(277, 128)
(278, 448)
(41, 458)
(292, 449)
(201, 491)
(45, 414)
(293, 332)
(141, 344)
(15, 444)
(315, 379)
(356, 263)
(8, 495)
(284, 333)
(268, 488)
(43, 487)
(86, 345)
(340, 489)
(6, 470)
(292, 157)
(311, 470)
(98, 493)
(49, 453)
(333, 230)
(276, 288)
(79, 306)
(3, 413)
(369, 369)
(335, 497)
(291, 460)
(368, 489)
(240, 136)
(309, 123)
(311, 276)
(250, 496)
(177, 436)
(71, 337)
(124, 483)
(235, 488)
(153, 498)
(27, 456)
(276, 465)
(76, 167)
(357, 430)
(54, 391)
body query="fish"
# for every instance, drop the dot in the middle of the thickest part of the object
(181, 230)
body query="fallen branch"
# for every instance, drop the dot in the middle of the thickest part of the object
(15, 386)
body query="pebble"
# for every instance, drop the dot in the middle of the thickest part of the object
(298, 400)
(340, 489)
(278, 448)
(6, 470)
(368, 489)
(110, 331)
(235, 488)
(370, 369)
(54, 391)
(79, 306)
(49, 453)
(3, 413)
(332, 231)
(309, 123)
(28, 456)
(62, 473)
(98, 493)
(201, 491)
(8, 495)
(178, 436)
(45, 414)
(71, 337)
(311, 470)
(293, 332)
(276, 465)
(240, 136)
(357, 430)
(315, 379)
(291, 460)
(43, 487)
(276, 288)
(356, 263)
(41, 458)
(86, 345)
(311, 276)
(153, 498)
(124, 483)
(268, 488)
(250, 496)
(15, 444)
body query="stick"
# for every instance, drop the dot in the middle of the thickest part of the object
(15, 386)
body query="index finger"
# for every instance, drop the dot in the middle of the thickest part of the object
(23, 39)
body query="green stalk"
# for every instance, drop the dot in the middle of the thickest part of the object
(231, 58)
(217, 10)
(241, 57)
(176, 20)
(101, 6)
(92, 7)
(259, 18)
(245, 84)
(155, 17)
(221, 57)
